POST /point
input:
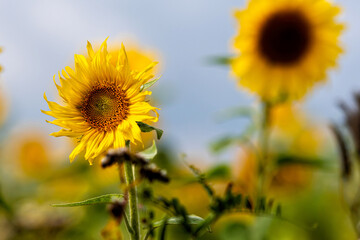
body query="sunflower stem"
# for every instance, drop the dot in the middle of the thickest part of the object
(264, 149)
(133, 201)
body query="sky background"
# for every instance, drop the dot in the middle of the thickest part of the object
(39, 38)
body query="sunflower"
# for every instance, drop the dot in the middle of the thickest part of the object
(3, 106)
(285, 46)
(139, 59)
(103, 102)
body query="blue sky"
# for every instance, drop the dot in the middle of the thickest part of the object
(40, 38)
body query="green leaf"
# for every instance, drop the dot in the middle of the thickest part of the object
(235, 230)
(220, 60)
(283, 160)
(221, 171)
(235, 112)
(104, 199)
(150, 152)
(4, 205)
(225, 142)
(191, 219)
(147, 128)
(148, 84)
(163, 229)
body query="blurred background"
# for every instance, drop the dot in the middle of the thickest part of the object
(39, 38)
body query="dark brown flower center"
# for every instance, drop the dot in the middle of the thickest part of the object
(105, 107)
(285, 37)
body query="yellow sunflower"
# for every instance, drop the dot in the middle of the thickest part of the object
(103, 102)
(3, 106)
(138, 59)
(285, 46)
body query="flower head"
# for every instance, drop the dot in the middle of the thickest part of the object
(103, 102)
(285, 46)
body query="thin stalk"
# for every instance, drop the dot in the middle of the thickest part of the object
(5, 206)
(133, 201)
(127, 223)
(264, 149)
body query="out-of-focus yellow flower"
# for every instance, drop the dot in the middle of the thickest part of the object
(30, 153)
(3, 107)
(291, 134)
(33, 156)
(286, 118)
(283, 180)
(111, 231)
(290, 178)
(290, 126)
(245, 172)
(285, 46)
(103, 102)
(138, 58)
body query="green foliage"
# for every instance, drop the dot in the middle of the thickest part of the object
(5, 206)
(147, 128)
(283, 160)
(220, 60)
(235, 231)
(236, 112)
(225, 142)
(177, 220)
(104, 199)
(150, 152)
(221, 171)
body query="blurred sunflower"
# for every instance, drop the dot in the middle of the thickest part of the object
(285, 46)
(103, 102)
(0, 65)
(3, 106)
(3, 103)
(293, 136)
(138, 58)
(33, 156)
(29, 154)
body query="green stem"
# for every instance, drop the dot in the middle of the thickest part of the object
(212, 217)
(128, 226)
(264, 149)
(5, 206)
(133, 201)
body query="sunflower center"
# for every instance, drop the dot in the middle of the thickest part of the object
(285, 37)
(105, 107)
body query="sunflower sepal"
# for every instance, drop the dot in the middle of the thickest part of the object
(150, 152)
(148, 128)
(149, 84)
